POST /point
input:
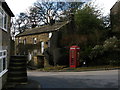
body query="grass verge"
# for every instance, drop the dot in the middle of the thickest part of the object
(78, 69)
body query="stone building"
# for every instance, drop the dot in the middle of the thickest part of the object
(5, 17)
(115, 18)
(34, 41)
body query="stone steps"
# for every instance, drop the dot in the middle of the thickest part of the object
(17, 71)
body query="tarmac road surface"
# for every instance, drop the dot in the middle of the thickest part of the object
(86, 79)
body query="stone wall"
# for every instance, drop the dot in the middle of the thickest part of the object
(59, 49)
(55, 53)
(34, 51)
(30, 42)
(115, 17)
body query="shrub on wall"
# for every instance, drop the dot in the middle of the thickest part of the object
(111, 43)
(108, 53)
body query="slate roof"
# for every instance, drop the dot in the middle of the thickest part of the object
(43, 29)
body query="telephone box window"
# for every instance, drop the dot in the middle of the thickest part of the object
(72, 60)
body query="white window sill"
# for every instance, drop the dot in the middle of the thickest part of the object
(3, 72)
(1, 57)
(3, 29)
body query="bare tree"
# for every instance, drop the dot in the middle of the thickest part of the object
(22, 22)
(45, 12)
(34, 17)
(49, 10)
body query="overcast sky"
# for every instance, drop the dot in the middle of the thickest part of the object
(18, 6)
(106, 5)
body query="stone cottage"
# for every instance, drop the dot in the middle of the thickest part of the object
(115, 18)
(5, 17)
(33, 42)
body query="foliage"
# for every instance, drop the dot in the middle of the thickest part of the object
(107, 53)
(106, 21)
(96, 51)
(88, 19)
(67, 69)
(89, 26)
(41, 13)
(22, 22)
(70, 8)
(111, 43)
(48, 10)
(34, 17)
(51, 68)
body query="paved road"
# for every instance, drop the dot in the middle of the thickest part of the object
(88, 79)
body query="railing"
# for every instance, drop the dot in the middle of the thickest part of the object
(3, 62)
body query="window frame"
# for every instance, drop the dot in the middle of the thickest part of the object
(4, 26)
(2, 57)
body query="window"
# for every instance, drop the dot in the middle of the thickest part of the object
(49, 43)
(3, 62)
(50, 35)
(3, 19)
(34, 40)
(24, 41)
(19, 40)
(42, 47)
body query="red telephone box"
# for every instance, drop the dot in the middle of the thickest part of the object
(74, 56)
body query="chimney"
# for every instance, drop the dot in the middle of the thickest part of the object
(52, 21)
(71, 17)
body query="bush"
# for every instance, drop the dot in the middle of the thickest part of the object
(106, 54)
(96, 51)
(111, 43)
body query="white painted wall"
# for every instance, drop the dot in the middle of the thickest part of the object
(0, 83)
(0, 39)
(0, 49)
